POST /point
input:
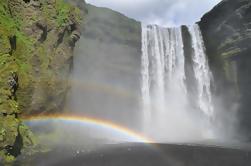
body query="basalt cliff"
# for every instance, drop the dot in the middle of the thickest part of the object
(226, 30)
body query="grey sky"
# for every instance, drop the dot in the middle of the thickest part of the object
(162, 12)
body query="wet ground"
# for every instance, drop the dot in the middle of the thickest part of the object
(143, 155)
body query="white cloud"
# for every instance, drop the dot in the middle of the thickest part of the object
(163, 12)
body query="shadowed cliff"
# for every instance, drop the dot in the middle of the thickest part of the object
(227, 33)
(106, 74)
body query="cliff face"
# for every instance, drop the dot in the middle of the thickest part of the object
(110, 38)
(107, 66)
(227, 33)
(111, 42)
(36, 53)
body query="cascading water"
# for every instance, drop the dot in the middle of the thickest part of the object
(168, 115)
(202, 71)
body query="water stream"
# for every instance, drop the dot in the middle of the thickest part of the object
(167, 113)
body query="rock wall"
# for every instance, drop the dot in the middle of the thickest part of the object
(37, 38)
(227, 33)
(189, 71)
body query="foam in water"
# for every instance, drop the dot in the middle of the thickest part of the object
(202, 71)
(167, 113)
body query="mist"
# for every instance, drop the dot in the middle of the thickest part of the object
(107, 84)
(147, 82)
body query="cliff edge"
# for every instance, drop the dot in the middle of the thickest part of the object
(37, 38)
(227, 34)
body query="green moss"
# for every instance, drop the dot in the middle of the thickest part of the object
(9, 159)
(2, 134)
(10, 27)
(231, 53)
(63, 12)
(17, 61)
(45, 60)
(32, 61)
(77, 14)
(6, 22)
(29, 139)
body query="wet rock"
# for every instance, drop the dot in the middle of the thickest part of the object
(75, 36)
(43, 27)
(27, 46)
(227, 33)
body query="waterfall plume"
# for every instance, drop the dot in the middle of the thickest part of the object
(168, 114)
(202, 71)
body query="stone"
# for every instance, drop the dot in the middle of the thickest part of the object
(227, 35)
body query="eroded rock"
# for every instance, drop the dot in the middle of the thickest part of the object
(227, 33)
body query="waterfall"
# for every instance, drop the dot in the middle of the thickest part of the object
(167, 113)
(202, 71)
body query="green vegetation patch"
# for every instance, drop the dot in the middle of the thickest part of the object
(14, 56)
(65, 11)
(23, 53)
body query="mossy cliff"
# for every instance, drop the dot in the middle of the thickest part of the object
(227, 34)
(37, 38)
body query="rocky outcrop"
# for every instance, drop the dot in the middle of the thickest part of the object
(227, 33)
(37, 38)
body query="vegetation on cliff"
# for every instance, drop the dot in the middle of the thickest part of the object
(36, 41)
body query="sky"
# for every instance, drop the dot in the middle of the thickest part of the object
(161, 12)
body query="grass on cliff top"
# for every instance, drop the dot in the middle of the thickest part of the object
(64, 12)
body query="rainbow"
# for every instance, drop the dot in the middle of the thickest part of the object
(91, 121)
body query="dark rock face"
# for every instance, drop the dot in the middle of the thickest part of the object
(189, 71)
(227, 34)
